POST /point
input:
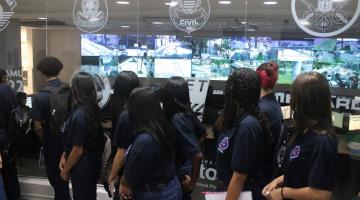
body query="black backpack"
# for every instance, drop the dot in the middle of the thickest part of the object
(60, 106)
(21, 118)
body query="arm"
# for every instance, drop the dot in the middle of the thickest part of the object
(39, 130)
(196, 163)
(118, 163)
(236, 185)
(74, 157)
(307, 193)
(272, 186)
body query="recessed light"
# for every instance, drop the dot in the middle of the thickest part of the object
(225, 2)
(172, 4)
(243, 22)
(123, 2)
(157, 23)
(125, 26)
(270, 2)
(41, 18)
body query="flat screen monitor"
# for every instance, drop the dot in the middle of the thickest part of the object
(165, 68)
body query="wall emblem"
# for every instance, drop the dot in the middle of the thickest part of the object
(189, 15)
(325, 18)
(6, 12)
(102, 86)
(90, 16)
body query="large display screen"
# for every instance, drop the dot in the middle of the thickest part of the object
(163, 56)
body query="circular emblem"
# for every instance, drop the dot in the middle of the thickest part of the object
(189, 15)
(90, 16)
(102, 86)
(325, 18)
(6, 12)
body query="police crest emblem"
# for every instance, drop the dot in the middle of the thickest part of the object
(90, 16)
(325, 18)
(6, 12)
(189, 15)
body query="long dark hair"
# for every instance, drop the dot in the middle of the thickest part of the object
(311, 103)
(125, 82)
(242, 93)
(146, 115)
(176, 98)
(84, 94)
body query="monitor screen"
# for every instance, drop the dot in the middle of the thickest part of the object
(165, 68)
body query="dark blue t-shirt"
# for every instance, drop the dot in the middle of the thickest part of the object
(76, 131)
(40, 110)
(187, 143)
(240, 149)
(7, 104)
(123, 135)
(272, 109)
(311, 162)
(146, 165)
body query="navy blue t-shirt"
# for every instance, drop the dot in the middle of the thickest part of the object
(311, 162)
(123, 135)
(146, 165)
(240, 149)
(76, 131)
(8, 103)
(187, 143)
(272, 109)
(40, 110)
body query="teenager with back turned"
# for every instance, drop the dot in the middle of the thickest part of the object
(84, 140)
(268, 104)
(244, 136)
(150, 172)
(125, 82)
(41, 113)
(7, 147)
(310, 162)
(177, 108)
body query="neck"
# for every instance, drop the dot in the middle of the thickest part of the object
(51, 78)
(265, 92)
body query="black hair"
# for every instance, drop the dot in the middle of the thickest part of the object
(125, 83)
(84, 93)
(311, 103)
(50, 66)
(175, 97)
(242, 93)
(21, 97)
(146, 115)
(3, 76)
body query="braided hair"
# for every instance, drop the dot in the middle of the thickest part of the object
(242, 94)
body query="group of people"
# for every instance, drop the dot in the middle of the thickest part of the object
(157, 137)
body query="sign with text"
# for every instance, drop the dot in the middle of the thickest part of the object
(198, 91)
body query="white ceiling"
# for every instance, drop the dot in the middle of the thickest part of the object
(273, 19)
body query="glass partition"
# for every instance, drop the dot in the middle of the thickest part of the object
(190, 38)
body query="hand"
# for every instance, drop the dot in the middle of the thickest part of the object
(187, 184)
(62, 163)
(126, 192)
(64, 175)
(111, 182)
(269, 188)
(275, 195)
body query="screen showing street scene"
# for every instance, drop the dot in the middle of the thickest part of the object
(162, 56)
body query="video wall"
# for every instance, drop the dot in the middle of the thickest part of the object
(162, 56)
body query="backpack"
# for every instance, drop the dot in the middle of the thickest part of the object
(60, 106)
(21, 118)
